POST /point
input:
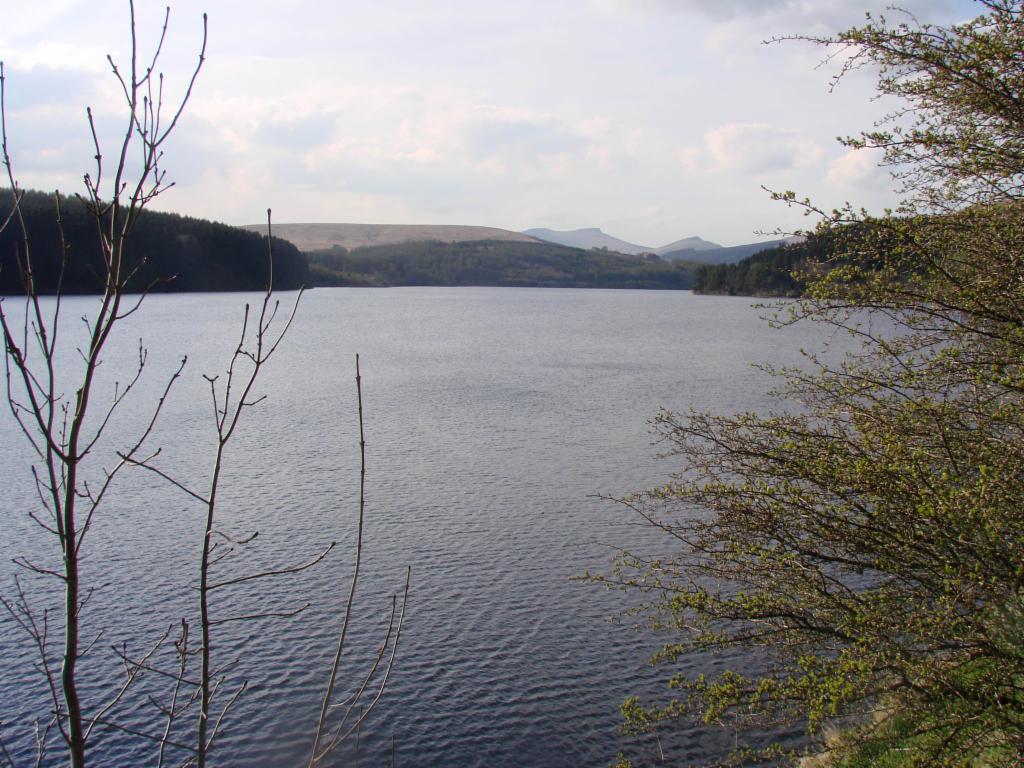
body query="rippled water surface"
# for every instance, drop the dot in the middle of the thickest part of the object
(494, 418)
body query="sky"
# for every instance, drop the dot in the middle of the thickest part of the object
(651, 119)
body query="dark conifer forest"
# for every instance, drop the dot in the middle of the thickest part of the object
(169, 252)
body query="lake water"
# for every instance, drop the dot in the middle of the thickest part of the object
(494, 418)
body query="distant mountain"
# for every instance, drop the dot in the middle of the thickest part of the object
(316, 237)
(720, 255)
(589, 238)
(693, 249)
(687, 244)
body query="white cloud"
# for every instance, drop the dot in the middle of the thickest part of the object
(829, 12)
(689, 157)
(752, 148)
(501, 138)
(854, 168)
(582, 112)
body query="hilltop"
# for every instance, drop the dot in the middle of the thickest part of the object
(312, 237)
(319, 237)
(692, 249)
(588, 238)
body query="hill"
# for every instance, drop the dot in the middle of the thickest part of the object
(175, 253)
(588, 238)
(694, 249)
(768, 272)
(688, 244)
(719, 255)
(316, 237)
(494, 263)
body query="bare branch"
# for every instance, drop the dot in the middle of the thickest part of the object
(273, 572)
(341, 735)
(262, 615)
(132, 671)
(144, 464)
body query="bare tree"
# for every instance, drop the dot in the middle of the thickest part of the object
(64, 434)
(328, 736)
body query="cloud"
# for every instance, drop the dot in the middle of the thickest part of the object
(45, 86)
(721, 9)
(430, 150)
(609, 110)
(751, 148)
(500, 138)
(820, 11)
(299, 132)
(856, 167)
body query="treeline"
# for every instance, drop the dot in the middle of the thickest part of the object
(171, 252)
(787, 269)
(768, 273)
(493, 263)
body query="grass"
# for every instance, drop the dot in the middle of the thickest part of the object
(951, 732)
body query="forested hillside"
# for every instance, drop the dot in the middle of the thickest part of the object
(777, 271)
(172, 252)
(179, 253)
(490, 262)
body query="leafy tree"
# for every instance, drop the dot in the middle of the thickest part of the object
(865, 551)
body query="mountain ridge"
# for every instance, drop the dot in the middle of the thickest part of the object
(732, 254)
(322, 236)
(694, 249)
(587, 239)
(309, 237)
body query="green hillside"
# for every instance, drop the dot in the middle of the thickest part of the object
(492, 262)
(173, 253)
(774, 272)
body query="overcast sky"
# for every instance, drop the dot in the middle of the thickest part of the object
(652, 119)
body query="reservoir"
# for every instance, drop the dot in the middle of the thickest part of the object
(496, 422)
